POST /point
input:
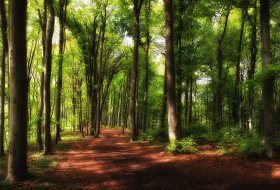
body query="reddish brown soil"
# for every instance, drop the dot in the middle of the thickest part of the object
(112, 162)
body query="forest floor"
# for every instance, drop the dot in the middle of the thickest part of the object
(112, 162)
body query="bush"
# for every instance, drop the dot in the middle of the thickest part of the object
(230, 134)
(154, 135)
(200, 133)
(251, 146)
(184, 146)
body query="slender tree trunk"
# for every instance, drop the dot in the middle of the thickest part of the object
(191, 100)
(17, 155)
(252, 68)
(47, 76)
(218, 115)
(62, 18)
(236, 96)
(268, 83)
(170, 73)
(42, 79)
(186, 102)
(3, 73)
(164, 102)
(146, 79)
(132, 119)
(40, 114)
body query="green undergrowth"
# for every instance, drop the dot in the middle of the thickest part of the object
(229, 140)
(184, 146)
(234, 142)
(39, 164)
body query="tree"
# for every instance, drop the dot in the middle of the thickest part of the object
(147, 49)
(47, 73)
(268, 83)
(134, 71)
(170, 73)
(62, 18)
(17, 154)
(3, 71)
(218, 113)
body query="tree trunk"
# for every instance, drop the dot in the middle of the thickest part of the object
(164, 102)
(252, 68)
(218, 115)
(3, 72)
(236, 96)
(191, 100)
(62, 18)
(186, 102)
(47, 75)
(146, 79)
(170, 73)
(40, 114)
(17, 155)
(132, 119)
(268, 83)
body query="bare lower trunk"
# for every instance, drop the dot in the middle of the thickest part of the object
(132, 119)
(47, 77)
(170, 73)
(3, 71)
(17, 156)
(268, 83)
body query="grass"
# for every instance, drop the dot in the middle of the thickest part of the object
(39, 164)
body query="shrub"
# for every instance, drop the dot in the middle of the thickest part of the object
(184, 146)
(154, 135)
(200, 133)
(230, 134)
(251, 146)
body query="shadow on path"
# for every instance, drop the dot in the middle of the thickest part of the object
(112, 162)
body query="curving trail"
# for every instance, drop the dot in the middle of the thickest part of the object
(112, 162)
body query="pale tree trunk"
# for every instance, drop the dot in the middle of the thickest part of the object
(17, 155)
(3, 73)
(47, 77)
(268, 83)
(170, 73)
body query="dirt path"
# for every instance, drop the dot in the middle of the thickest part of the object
(112, 162)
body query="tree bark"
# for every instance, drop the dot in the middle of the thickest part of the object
(17, 155)
(164, 102)
(146, 79)
(132, 119)
(218, 114)
(268, 83)
(170, 73)
(47, 75)
(3, 73)
(236, 96)
(251, 72)
(62, 18)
